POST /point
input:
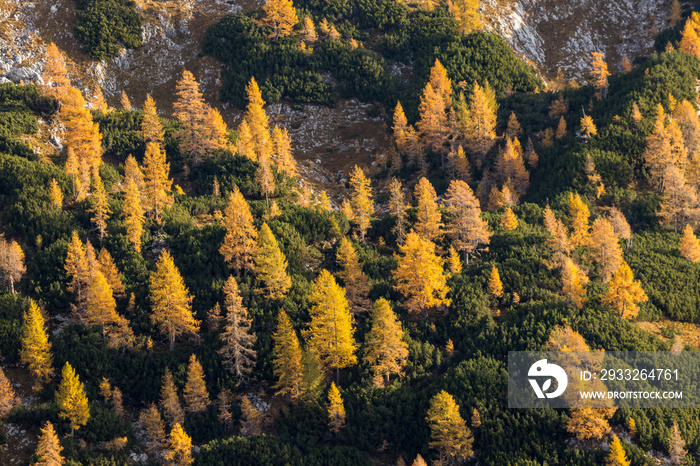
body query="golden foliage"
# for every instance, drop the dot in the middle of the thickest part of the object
(336, 410)
(49, 448)
(35, 350)
(624, 292)
(196, 395)
(494, 283)
(157, 182)
(169, 399)
(429, 220)
(179, 452)
(281, 16)
(355, 281)
(362, 203)
(133, 214)
(385, 349)
(690, 246)
(466, 227)
(616, 456)
(606, 248)
(71, 399)
(449, 434)
(578, 220)
(271, 265)
(287, 358)
(240, 241)
(237, 353)
(509, 221)
(575, 281)
(8, 398)
(151, 127)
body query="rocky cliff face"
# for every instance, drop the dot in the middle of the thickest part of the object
(561, 34)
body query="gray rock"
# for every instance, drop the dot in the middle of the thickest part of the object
(25, 74)
(4, 80)
(56, 142)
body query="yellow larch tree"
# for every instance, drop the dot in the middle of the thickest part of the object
(12, 267)
(152, 422)
(689, 124)
(558, 236)
(399, 129)
(282, 153)
(385, 349)
(223, 402)
(99, 201)
(599, 73)
(397, 209)
(420, 276)
(494, 283)
(111, 273)
(179, 451)
(635, 114)
(466, 13)
(428, 217)
(619, 223)
(151, 127)
(76, 266)
(169, 399)
(244, 143)
(509, 221)
(240, 240)
(561, 128)
(624, 292)
(578, 220)
(449, 434)
(454, 261)
(124, 101)
(575, 281)
(101, 307)
(336, 410)
(287, 358)
(419, 461)
(55, 194)
(133, 215)
(466, 227)
(251, 419)
(271, 265)
(49, 448)
(280, 16)
(588, 128)
(54, 70)
(237, 353)
(310, 34)
(510, 166)
(355, 281)
(616, 455)
(362, 203)
(513, 128)
(8, 397)
(157, 182)
(606, 248)
(171, 302)
(132, 172)
(35, 349)
(433, 124)
(479, 121)
(676, 447)
(330, 334)
(192, 112)
(196, 395)
(690, 43)
(71, 399)
(679, 204)
(657, 155)
(216, 135)
(690, 246)
(258, 123)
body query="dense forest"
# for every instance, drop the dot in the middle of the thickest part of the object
(174, 292)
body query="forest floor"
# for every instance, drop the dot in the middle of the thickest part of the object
(689, 334)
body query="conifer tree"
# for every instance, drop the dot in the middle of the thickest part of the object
(466, 13)
(680, 201)
(54, 70)
(287, 359)
(466, 227)
(559, 238)
(132, 172)
(479, 122)
(55, 194)
(35, 349)
(192, 111)
(152, 423)
(283, 158)
(495, 285)
(399, 128)
(385, 349)
(599, 73)
(588, 128)
(397, 209)
(240, 241)
(362, 204)
(606, 248)
(216, 135)
(510, 166)
(676, 447)
(237, 353)
(513, 128)
(619, 223)
(420, 276)
(117, 402)
(330, 333)
(8, 398)
(454, 261)
(433, 124)
(690, 43)
(449, 433)
(616, 456)
(310, 35)
(179, 452)
(169, 399)
(419, 461)
(690, 246)
(77, 268)
(101, 307)
(196, 395)
(636, 115)
(264, 176)
(151, 127)
(624, 292)
(258, 122)
(49, 447)
(280, 16)
(476, 418)
(251, 420)
(578, 220)
(561, 128)
(133, 215)
(223, 401)
(355, 281)
(111, 273)
(12, 266)
(336, 410)
(71, 399)
(124, 101)
(99, 201)
(429, 219)
(170, 301)
(156, 180)
(575, 281)
(509, 221)
(271, 265)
